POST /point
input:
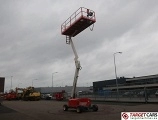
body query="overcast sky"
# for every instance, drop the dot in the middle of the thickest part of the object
(32, 47)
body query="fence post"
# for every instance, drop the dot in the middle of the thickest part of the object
(145, 95)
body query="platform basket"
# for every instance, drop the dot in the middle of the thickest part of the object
(78, 21)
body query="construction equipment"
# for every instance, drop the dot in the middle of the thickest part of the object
(25, 94)
(60, 95)
(19, 93)
(77, 22)
(29, 94)
(11, 95)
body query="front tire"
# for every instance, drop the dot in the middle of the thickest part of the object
(79, 109)
(95, 108)
(65, 107)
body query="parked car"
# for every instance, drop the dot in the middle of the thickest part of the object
(128, 94)
(156, 94)
(48, 96)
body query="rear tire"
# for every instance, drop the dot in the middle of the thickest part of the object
(79, 109)
(65, 107)
(95, 108)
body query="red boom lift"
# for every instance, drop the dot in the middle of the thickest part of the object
(59, 95)
(75, 24)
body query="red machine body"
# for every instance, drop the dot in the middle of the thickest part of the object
(75, 102)
(10, 96)
(59, 96)
(80, 104)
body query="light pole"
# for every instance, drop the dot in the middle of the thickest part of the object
(33, 80)
(11, 82)
(116, 75)
(52, 78)
(19, 84)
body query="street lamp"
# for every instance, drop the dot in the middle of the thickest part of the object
(19, 84)
(52, 78)
(116, 74)
(11, 82)
(33, 80)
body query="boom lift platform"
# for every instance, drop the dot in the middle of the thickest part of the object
(76, 23)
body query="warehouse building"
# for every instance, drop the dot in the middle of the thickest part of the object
(2, 81)
(150, 82)
(67, 89)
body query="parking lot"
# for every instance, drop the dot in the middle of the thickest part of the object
(49, 109)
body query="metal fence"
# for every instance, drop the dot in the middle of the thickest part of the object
(137, 95)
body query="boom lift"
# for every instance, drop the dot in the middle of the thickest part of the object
(59, 95)
(75, 24)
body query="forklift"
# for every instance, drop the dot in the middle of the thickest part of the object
(76, 23)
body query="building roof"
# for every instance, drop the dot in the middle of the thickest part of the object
(142, 77)
(60, 89)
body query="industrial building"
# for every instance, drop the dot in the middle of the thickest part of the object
(2, 81)
(150, 82)
(67, 89)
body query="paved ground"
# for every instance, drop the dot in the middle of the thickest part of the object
(52, 110)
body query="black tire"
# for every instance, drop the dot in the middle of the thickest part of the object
(95, 108)
(79, 109)
(65, 107)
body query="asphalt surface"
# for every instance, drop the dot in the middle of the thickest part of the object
(52, 110)
(10, 114)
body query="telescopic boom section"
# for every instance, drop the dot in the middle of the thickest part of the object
(78, 67)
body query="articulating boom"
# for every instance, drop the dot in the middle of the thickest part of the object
(78, 67)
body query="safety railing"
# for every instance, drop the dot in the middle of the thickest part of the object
(81, 12)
